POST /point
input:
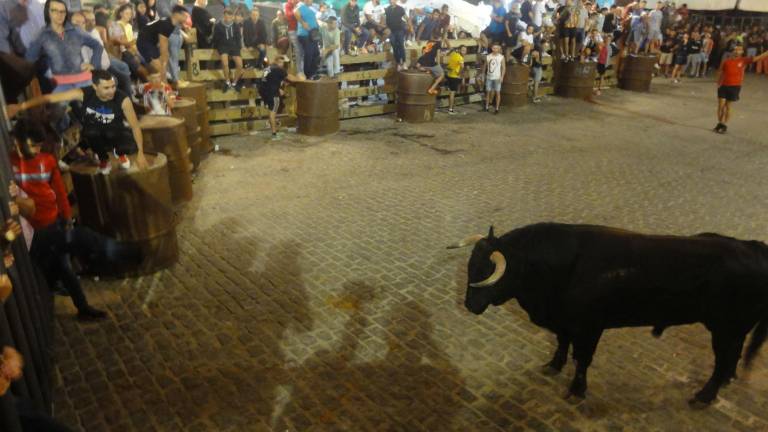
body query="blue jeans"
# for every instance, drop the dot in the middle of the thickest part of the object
(398, 45)
(297, 51)
(362, 38)
(311, 55)
(174, 46)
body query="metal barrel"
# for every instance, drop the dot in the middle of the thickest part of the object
(132, 206)
(186, 110)
(167, 135)
(574, 79)
(414, 104)
(198, 92)
(317, 107)
(514, 88)
(637, 73)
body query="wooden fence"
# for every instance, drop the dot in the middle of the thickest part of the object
(365, 75)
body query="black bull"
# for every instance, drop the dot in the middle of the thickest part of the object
(578, 280)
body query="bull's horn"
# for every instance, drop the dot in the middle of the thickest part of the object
(469, 241)
(498, 272)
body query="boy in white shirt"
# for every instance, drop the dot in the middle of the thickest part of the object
(494, 76)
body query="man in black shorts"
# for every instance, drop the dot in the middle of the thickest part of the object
(454, 69)
(152, 41)
(104, 114)
(270, 90)
(731, 76)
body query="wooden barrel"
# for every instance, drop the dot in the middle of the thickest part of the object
(167, 135)
(637, 73)
(317, 107)
(514, 88)
(574, 79)
(414, 105)
(198, 92)
(132, 206)
(186, 109)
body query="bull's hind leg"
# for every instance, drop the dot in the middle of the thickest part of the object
(584, 346)
(560, 357)
(727, 347)
(738, 347)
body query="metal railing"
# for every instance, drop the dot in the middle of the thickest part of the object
(26, 317)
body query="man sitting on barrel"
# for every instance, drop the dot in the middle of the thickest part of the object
(104, 114)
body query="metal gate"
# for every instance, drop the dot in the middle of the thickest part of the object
(26, 318)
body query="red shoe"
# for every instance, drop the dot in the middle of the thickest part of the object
(125, 163)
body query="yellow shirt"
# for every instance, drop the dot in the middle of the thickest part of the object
(455, 65)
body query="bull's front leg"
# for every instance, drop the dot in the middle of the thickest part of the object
(584, 346)
(560, 357)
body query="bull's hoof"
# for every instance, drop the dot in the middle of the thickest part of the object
(697, 404)
(657, 331)
(550, 370)
(702, 399)
(574, 398)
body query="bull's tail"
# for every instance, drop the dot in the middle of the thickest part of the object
(756, 341)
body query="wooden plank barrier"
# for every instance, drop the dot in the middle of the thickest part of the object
(370, 76)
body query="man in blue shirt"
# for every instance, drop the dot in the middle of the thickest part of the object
(308, 33)
(494, 33)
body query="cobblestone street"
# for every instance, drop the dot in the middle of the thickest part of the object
(314, 290)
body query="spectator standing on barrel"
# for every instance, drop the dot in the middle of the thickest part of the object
(290, 18)
(350, 24)
(454, 72)
(38, 175)
(308, 32)
(227, 41)
(731, 76)
(495, 69)
(430, 60)
(104, 112)
(153, 39)
(567, 31)
(331, 38)
(270, 90)
(655, 38)
(256, 38)
(203, 22)
(398, 25)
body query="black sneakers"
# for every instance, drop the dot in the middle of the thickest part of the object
(721, 128)
(89, 313)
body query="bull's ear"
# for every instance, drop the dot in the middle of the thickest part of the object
(490, 233)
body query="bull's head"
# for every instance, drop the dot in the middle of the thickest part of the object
(487, 266)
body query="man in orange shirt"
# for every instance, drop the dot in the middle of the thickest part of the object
(730, 78)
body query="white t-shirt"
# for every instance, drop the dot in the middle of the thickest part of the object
(525, 37)
(375, 11)
(87, 53)
(539, 9)
(494, 66)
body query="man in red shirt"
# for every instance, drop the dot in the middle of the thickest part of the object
(38, 176)
(290, 18)
(731, 76)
